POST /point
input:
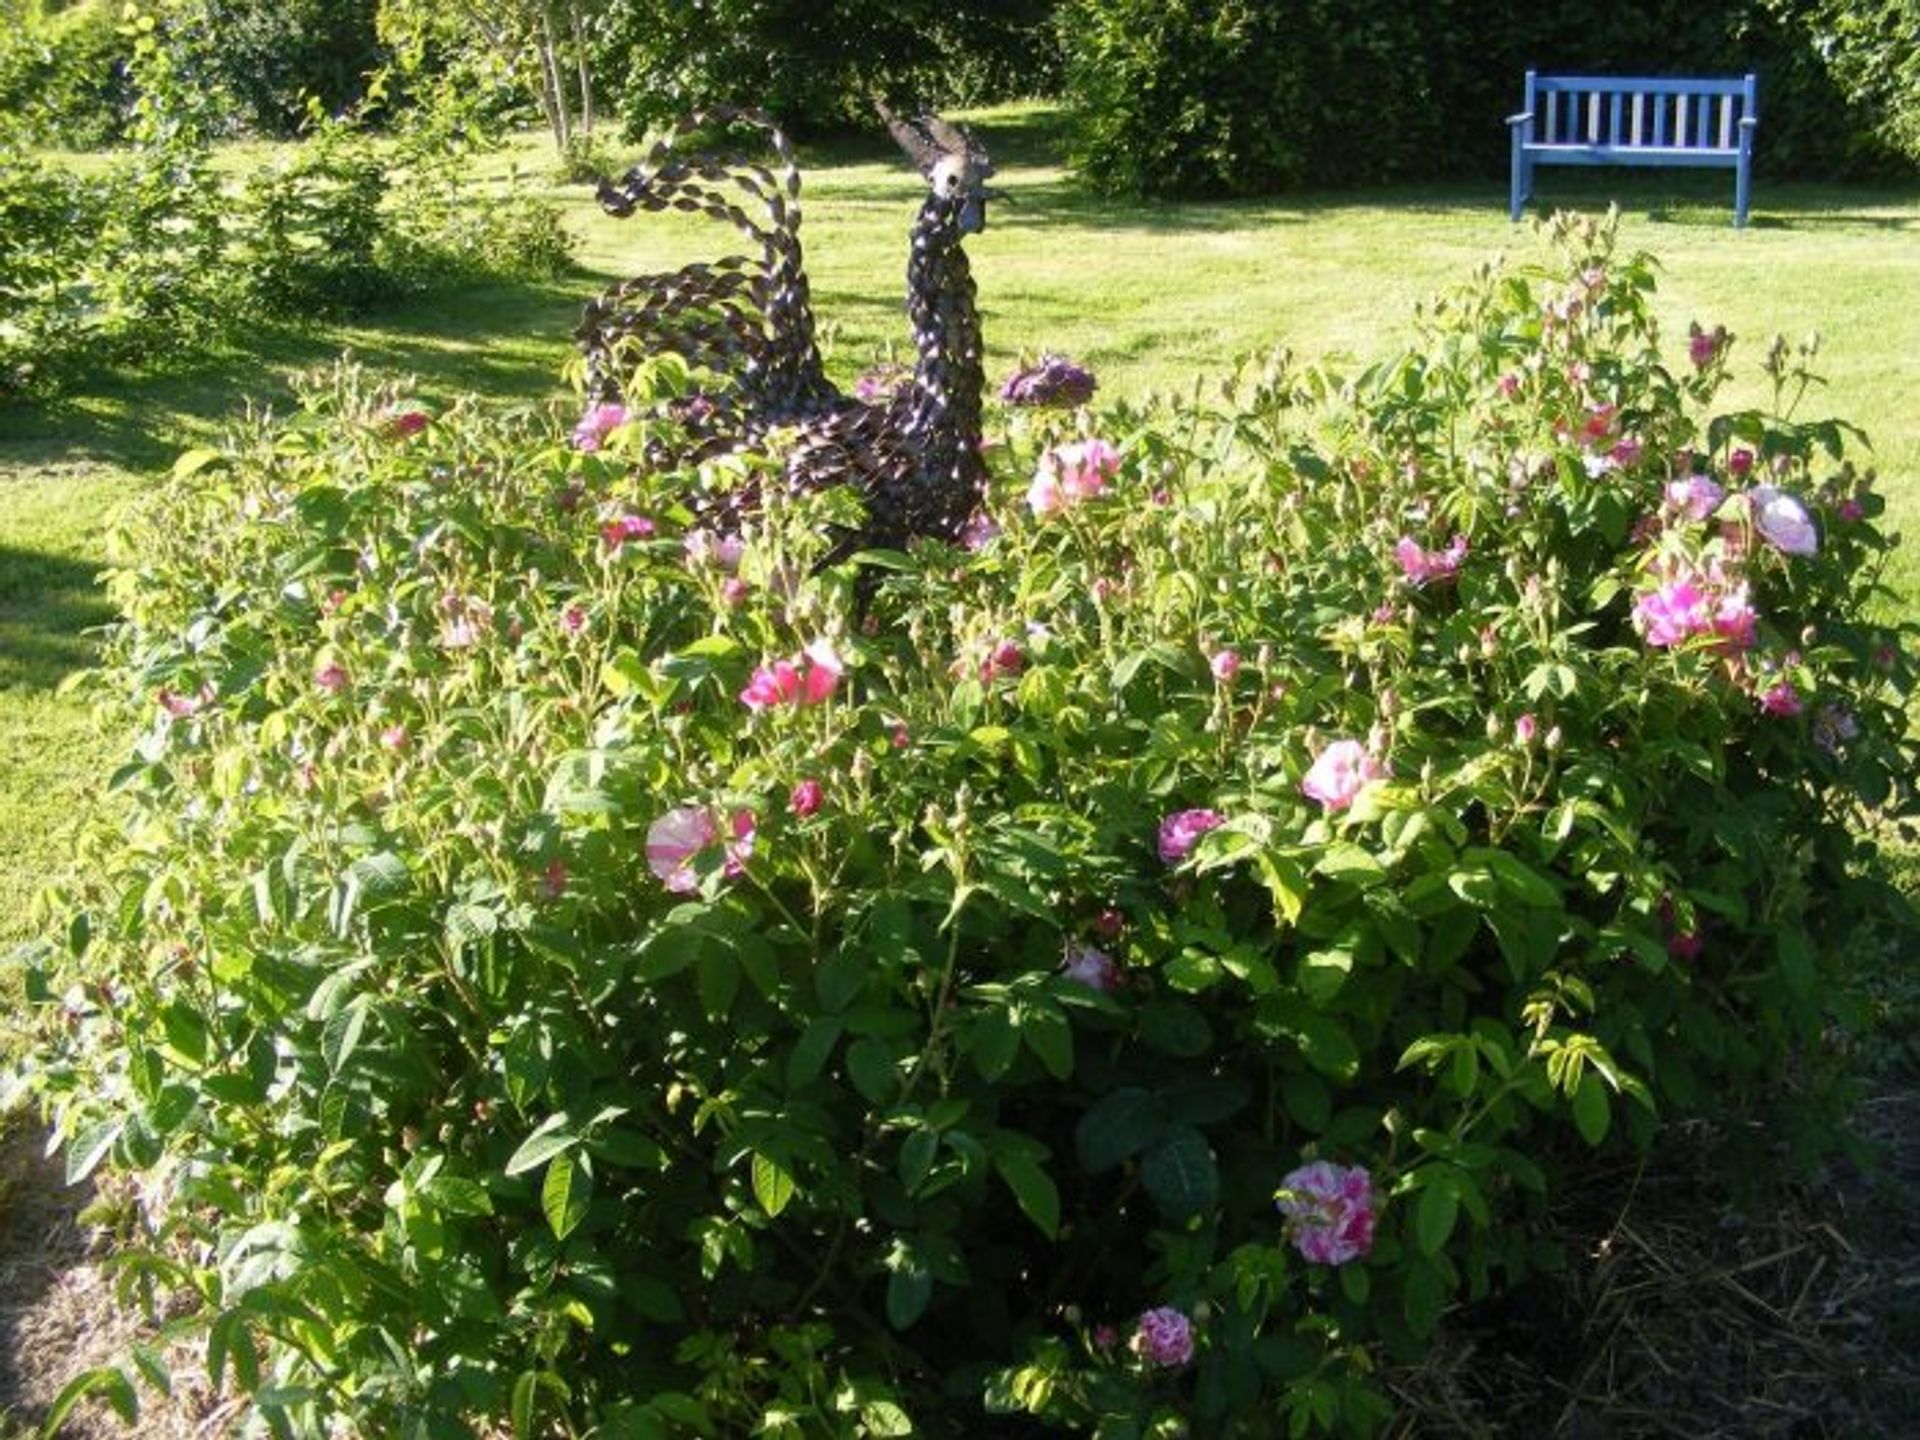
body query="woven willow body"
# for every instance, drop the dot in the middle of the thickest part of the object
(915, 457)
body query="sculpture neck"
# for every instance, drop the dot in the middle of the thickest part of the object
(944, 404)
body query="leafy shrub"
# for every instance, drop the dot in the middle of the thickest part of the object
(313, 224)
(64, 75)
(816, 68)
(48, 224)
(557, 961)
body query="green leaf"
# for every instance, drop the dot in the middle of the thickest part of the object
(106, 1381)
(885, 1419)
(192, 462)
(1175, 1028)
(341, 1036)
(871, 1064)
(1049, 1036)
(87, 1149)
(1179, 1172)
(917, 1154)
(812, 1051)
(1433, 1217)
(992, 1042)
(1592, 1116)
(772, 1185)
(909, 1291)
(717, 977)
(564, 1196)
(552, 1136)
(1120, 1124)
(1032, 1188)
(1193, 971)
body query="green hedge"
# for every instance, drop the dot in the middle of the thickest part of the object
(1232, 97)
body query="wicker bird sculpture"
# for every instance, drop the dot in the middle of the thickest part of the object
(914, 456)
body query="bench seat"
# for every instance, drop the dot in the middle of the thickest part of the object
(1628, 120)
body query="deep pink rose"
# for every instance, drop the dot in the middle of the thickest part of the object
(1782, 700)
(806, 798)
(1163, 1337)
(1182, 830)
(1340, 772)
(623, 528)
(1329, 1210)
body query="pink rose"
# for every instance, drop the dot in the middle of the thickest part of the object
(1523, 730)
(599, 422)
(1071, 473)
(1182, 830)
(1782, 700)
(1225, 664)
(806, 798)
(1163, 1337)
(678, 837)
(1740, 461)
(807, 679)
(1695, 497)
(1093, 968)
(622, 528)
(1006, 659)
(395, 737)
(1044, 496)
(1783, 521)
(1424, 567)
(332, 677)
(1340, 772)
(1329, 1210)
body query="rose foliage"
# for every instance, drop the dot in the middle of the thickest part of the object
(563, 973)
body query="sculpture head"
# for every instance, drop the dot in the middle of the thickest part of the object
(955, 165)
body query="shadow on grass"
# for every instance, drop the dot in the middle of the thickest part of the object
(498, 339)
(49, 605)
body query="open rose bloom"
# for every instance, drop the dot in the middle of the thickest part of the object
(807, 679)
(1430, 567)
(1694, 604)
(1329, 1210)
(1182, 830)
(1340, 772)
(678, 838)
(1163, 1337)
(1069, 474)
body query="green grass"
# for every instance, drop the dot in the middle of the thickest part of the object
(1153, 297)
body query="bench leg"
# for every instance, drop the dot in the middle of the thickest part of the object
(1742, 191)
(1521, 184)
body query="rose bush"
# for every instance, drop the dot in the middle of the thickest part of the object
(685, 999)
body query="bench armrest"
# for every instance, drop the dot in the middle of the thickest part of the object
(1748, 122)
(1521, 119)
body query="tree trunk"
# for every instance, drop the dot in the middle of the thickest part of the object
(551, 83)
(580, 63)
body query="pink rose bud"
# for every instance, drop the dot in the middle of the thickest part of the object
(1225, 664)
(734, 591)
(395, 737)
(1523, 729)
(806, 798)
(332, 678)
(1740, 461)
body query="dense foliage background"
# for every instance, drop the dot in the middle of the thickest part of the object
(1182, 97)
(1232, 97)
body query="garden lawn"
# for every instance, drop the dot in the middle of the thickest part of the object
(1151, 297)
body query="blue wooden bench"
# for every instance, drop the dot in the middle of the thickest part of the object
(1616, 120)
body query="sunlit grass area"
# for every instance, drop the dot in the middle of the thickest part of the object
(1161, 297)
